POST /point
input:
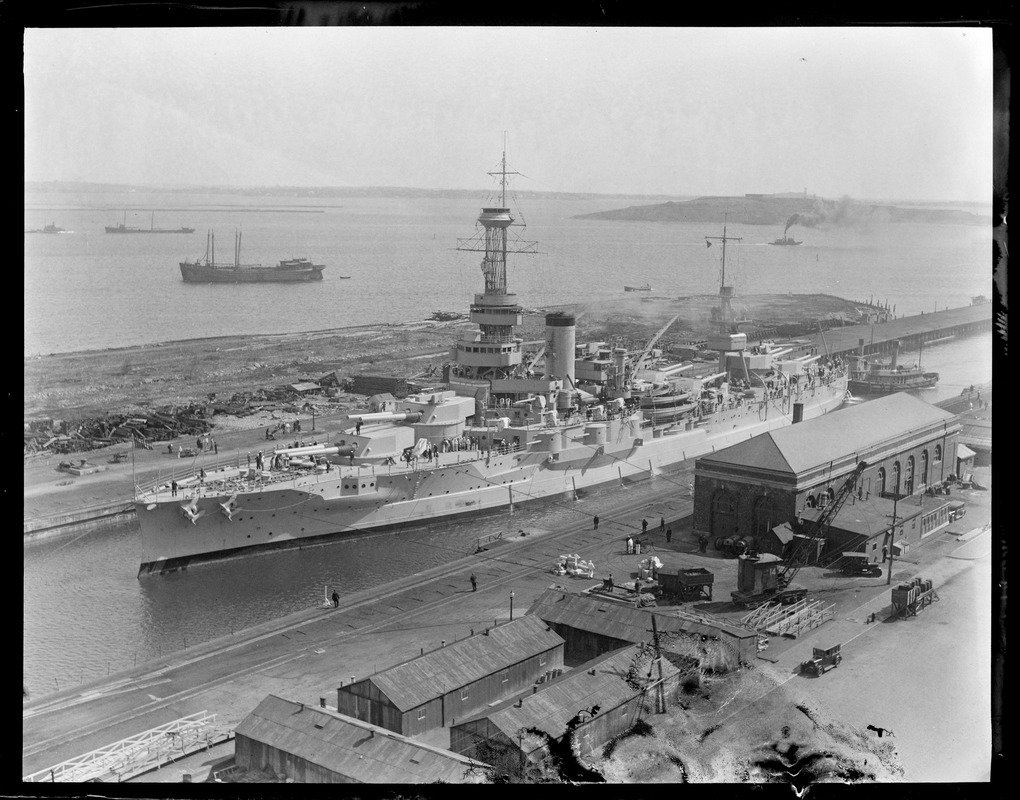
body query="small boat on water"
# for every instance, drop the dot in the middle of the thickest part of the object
(870, 377)
(123, 228)
(645, 288)
(206, 270)
(51, 228)
(786, 240)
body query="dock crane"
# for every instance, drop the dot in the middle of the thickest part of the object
(801, 553)
(772, 583)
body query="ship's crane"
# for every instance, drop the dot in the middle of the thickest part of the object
(640, 361)
(802, 552)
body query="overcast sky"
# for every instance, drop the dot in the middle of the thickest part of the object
(873, 113)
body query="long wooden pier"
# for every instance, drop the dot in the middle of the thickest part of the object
(910, 332)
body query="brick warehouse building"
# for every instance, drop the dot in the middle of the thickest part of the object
(750, 488)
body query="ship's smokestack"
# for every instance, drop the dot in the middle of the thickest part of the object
(560, 352)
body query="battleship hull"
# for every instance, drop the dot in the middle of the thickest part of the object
(234, 519)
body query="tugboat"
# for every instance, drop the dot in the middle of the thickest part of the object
(493, 434)
(646, 288)
(51, 228)
(869, 377)
(786, 240)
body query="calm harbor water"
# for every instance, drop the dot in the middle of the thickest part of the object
(85, 612)
(89, 289)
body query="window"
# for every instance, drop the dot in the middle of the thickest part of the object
(896, 477)
(880, 481)
(924, 467)
(421, 713)
(908, 477)
(541, 661)
(463, 694)
(938, 453)
(504, 676)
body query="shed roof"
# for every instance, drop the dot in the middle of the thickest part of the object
(426, 677)
(962, 451)
(587, 613)
(556, 702)
(350, 747)
(305, 386)
(798, 448)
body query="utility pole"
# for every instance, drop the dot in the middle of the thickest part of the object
(892, 537)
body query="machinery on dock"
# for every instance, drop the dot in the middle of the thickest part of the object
(764, 579)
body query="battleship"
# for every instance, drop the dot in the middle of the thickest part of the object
(206, 270)
(500, 432)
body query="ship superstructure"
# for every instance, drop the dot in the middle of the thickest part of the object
(501, 432)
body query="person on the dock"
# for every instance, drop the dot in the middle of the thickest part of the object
(201, 475)
(170, 448)
(630, 545)
(662, 524)
(357, 428)
(267, 434)
(336, 599)
(248, 456)
(173, 488)
(669, 535)
(474, 583)
(216, 447)
(595, 521)
(198, 444)
(644, 526)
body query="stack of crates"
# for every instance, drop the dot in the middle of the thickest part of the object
(905, 595)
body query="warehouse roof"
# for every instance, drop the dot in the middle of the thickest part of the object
(830, 437)
(352, 748)
(628, 624)
(618, 676)
(434, 674)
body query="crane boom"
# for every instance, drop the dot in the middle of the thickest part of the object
(640, 362)
(802, 552)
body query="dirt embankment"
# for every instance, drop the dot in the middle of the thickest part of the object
(75, 386)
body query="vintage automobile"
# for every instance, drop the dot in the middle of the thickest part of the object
(822, 661)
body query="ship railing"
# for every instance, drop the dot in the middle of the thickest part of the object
(215, 486)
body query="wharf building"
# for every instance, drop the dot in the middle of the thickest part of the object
(310, 744)
(764, 492)
(597, 702)
(591, 627)
(437, 688)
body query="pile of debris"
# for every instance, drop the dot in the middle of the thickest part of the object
(59, 436)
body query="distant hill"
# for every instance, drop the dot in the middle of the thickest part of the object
(786, 210)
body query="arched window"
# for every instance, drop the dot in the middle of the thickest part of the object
(908, 477)
(896, 477)
(938, 453)
(924, 468)
(810, 501)
(880, 481)
(724, 513)
(764, 513)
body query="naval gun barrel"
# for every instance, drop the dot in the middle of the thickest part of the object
(384, 416)
(308, 450)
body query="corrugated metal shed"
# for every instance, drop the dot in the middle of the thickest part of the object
(558, 701)
(798, 448)
(617, 621)
(349, 747)
(302, 388)
(434, 674)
